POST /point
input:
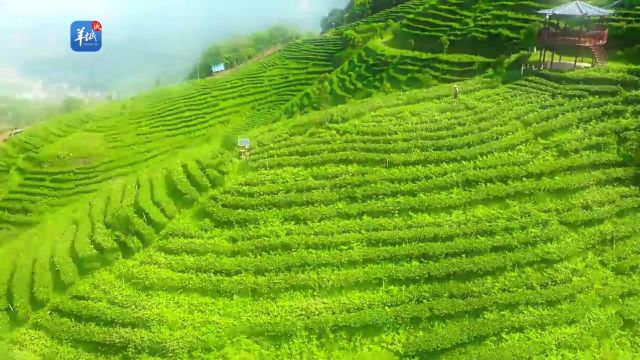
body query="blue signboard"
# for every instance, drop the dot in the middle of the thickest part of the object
(217, 68)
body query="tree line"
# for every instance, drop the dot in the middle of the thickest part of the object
(354, 11)
(236, 51)
(20, 113)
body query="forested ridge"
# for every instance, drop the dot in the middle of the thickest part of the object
(241, 49)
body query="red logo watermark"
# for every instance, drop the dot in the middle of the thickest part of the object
(96, 26)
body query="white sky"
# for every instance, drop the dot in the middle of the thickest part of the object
(46, 22)
(37, 31)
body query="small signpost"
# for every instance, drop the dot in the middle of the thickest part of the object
(217, 68)
(243, 147)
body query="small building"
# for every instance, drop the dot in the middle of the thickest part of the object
(577, 25)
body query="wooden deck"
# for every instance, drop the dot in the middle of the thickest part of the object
(550, 37)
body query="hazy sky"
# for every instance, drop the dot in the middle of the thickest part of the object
(138, 36)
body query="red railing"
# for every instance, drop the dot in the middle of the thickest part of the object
(548, 36)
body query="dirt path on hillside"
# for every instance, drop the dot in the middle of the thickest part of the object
(4, 135)
(7, 134)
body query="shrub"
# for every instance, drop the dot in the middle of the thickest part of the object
(528, 36)
(630, 146)
(444, 44)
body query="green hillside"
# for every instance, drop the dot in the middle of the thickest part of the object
(410, 224)
(375, 218)
(75, 154)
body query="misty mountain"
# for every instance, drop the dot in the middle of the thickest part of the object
(144, 42)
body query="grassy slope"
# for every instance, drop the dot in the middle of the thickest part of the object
(409, 55)
(407, 225)
(88, 188)
(71, 208)
(155, 126)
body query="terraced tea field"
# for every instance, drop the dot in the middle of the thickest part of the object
(87, 189)
(412, 57)
(368, 71)
(405, 226)
(484, 27)
(43, 171)
(626, 21)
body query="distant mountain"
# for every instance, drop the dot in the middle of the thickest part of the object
(144, 44)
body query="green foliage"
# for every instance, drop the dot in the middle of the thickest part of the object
(630, 4)
(335, 19)
(323, 94)
(444, 44)
(17, 113)
(408, 225)
(360, 35)
(380, 5)
(230, 141)
(64, 268)
(499, 66)
(632, 54)
(529, 35)
(70, 104)
(401, 226)
(386, 88)
(355, 40)
(630, 146)
(75, 149)
(242, 49)
(356, 10)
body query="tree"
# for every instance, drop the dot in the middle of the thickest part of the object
(238, 50)
(323, 92)
(386, 88)
(279, 34)
(355, 40)
(354, 11)
(499, 66)
(629, 146)
(529, 35)
(380, 5)
(261, 41)
(631, 3)
(213, 54)
(333, 20)
(357, 9)
(444, 44)
(71, 103)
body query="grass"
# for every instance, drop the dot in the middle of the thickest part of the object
(405, 223)
(77, 149)
(374, 217)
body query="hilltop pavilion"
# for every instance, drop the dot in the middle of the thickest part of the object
(584, 28)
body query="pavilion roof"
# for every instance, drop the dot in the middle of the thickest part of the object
(577, 8)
